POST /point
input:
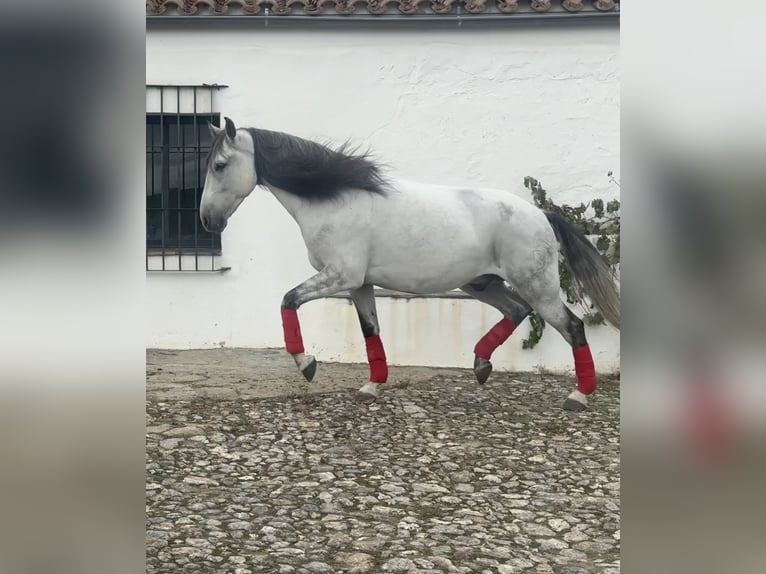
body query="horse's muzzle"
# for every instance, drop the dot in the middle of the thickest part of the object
(213, 224)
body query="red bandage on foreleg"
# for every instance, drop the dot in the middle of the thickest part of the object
(497, 336)
(292, 330)
(376, 356)
(585, 370)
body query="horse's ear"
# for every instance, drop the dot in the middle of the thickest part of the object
(231, 131)
(214, 130)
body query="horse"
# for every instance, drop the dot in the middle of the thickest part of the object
(364, 229)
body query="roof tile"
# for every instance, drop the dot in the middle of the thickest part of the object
(244, 8)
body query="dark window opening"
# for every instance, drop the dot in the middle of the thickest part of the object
(176, 148)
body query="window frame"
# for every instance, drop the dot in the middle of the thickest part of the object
(177, 108)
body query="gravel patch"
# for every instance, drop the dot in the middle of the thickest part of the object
(439, 476)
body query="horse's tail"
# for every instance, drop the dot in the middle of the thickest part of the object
(591, 274)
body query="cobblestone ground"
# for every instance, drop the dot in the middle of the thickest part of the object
(439, 476)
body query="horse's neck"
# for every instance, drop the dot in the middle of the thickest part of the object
(294, 205)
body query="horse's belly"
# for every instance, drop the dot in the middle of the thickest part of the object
(416, 272)
(408, 284)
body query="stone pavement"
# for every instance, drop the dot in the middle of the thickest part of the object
(249, 471)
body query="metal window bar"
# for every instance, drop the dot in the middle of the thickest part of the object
(162, 174)
(178, 246)
(180, 174)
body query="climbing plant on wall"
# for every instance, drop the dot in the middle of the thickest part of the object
(596, 219)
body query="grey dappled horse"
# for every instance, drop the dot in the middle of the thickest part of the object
(362, 229)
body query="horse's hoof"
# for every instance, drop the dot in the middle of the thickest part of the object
(369, 393)
(365, 398)
(482, 368)
(310, 370)
(574, 406)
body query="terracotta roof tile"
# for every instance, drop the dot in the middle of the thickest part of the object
(155, 8)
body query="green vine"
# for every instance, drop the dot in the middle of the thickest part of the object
(597, 219)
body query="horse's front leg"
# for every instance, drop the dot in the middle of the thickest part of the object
(325, 283)
(364, 301)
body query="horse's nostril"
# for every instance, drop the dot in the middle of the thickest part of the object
(205, 221)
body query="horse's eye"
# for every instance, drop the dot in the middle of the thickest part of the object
(219, 165)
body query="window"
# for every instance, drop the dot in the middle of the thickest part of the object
(177, 144)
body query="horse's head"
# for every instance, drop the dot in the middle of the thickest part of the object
(230, 175)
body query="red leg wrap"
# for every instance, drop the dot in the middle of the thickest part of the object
(377, 359)
(292, 330)
(585, 370)
(497, 336)
(713, 424)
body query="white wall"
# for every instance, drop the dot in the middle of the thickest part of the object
(454, 106)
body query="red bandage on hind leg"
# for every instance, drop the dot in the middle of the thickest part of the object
(376, 356)
(497, 336)
(585, 370)
(292, 330)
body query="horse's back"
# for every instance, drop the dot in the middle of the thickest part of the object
(485, 208)
(430, 238)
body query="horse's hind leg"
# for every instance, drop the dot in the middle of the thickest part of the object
(492, 290)
(546, 301)
(364, 301)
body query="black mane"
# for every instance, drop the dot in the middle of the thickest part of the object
(311, 170)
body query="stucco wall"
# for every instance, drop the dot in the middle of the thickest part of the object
(455, 106)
